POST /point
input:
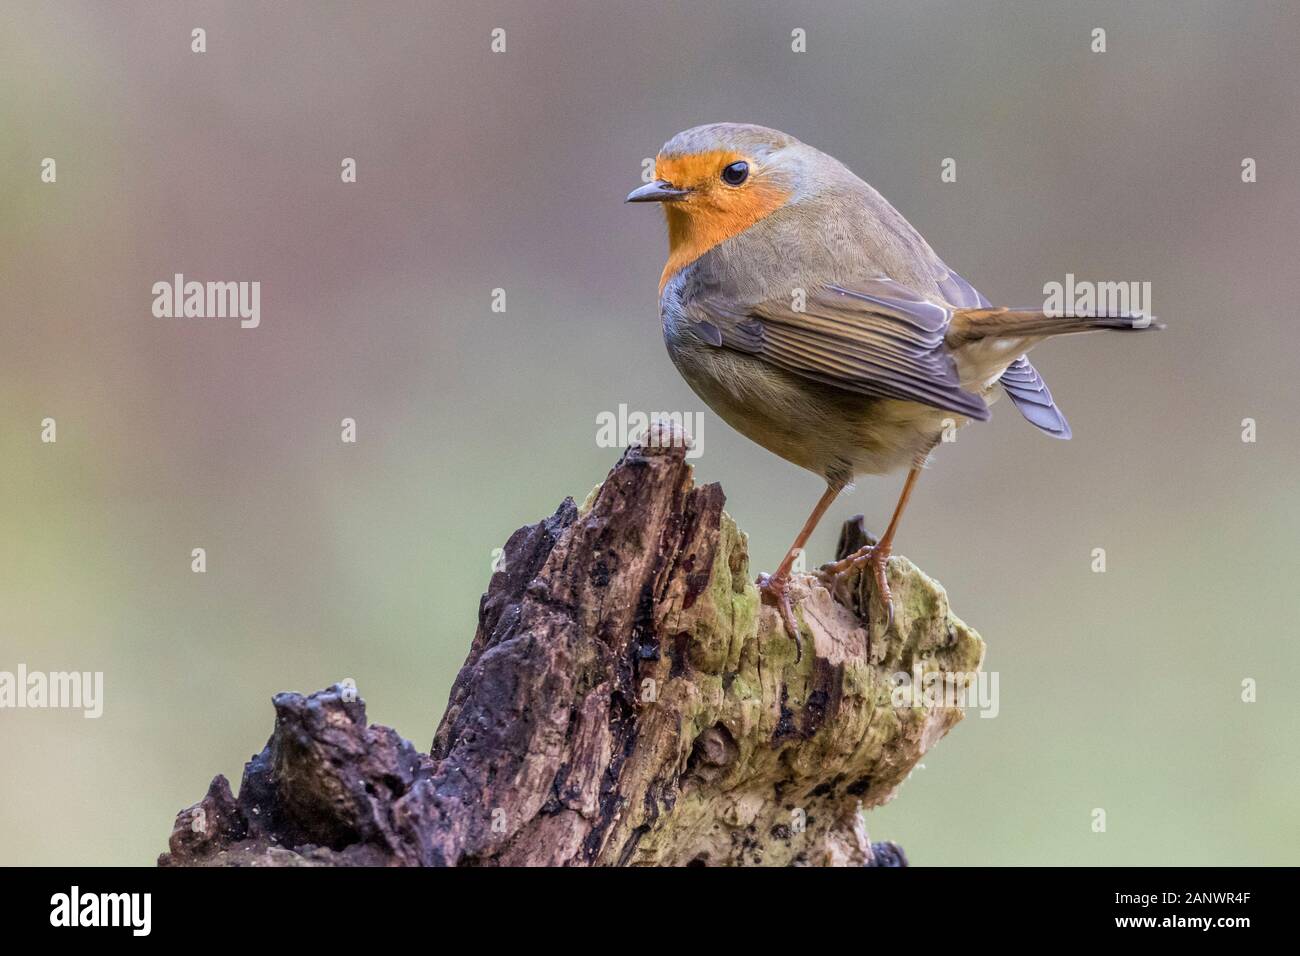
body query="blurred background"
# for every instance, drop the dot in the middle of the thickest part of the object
(479, 171)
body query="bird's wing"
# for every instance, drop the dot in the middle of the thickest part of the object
(1023, 385)
(874, 337)
(958, 291)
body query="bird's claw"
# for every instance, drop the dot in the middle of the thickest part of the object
(870, 556)
(775, 590)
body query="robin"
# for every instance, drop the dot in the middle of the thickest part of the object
(812, 318)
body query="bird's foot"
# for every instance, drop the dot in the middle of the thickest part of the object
(876, 559)
(774, 589)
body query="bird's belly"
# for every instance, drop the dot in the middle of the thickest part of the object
(829, 431)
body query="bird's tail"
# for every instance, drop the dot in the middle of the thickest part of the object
(973, 325)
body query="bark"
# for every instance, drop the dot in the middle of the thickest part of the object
(626, 700)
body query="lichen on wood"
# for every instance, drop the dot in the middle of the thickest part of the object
(626, 700)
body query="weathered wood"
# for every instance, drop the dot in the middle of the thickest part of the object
(626, 700)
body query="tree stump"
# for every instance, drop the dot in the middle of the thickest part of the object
(627, 700)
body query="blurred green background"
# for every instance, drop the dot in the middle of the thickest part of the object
(479, 171)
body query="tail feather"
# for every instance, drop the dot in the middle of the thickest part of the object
(972, 325)
(989, 345)
(1030, 394)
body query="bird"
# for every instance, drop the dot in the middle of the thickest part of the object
(811, 317)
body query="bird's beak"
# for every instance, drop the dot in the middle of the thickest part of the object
(657, 191)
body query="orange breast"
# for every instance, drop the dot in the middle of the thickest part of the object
(713, 212)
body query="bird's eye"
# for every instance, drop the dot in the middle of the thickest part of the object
(735, 174)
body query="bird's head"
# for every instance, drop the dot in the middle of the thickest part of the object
(716, 181)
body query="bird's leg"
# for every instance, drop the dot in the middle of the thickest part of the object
(876, 556)
(775, 588)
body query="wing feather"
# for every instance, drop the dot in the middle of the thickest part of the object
(876, 338)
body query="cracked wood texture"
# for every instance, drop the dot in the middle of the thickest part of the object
(627, 700)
